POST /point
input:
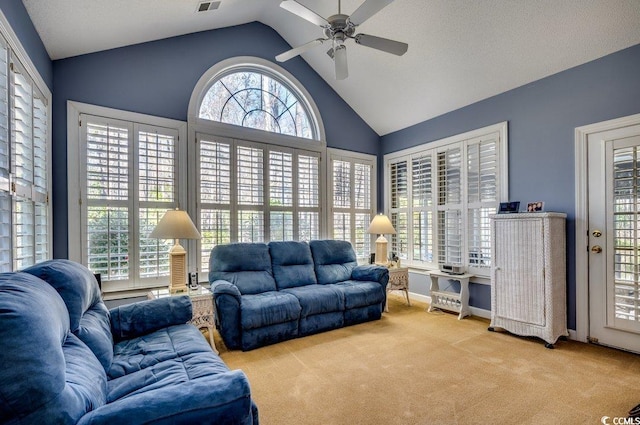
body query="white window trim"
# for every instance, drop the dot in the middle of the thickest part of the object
(19, 53)
(74, 110)
(350, 156)
(434, 146)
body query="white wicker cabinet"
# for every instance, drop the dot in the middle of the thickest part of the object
(528, 275)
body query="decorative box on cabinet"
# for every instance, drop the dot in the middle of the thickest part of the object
(528, 275)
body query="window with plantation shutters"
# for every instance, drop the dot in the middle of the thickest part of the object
(132, 178)
(352, 199)
(253, 192)
(440, 196)
(24, 156)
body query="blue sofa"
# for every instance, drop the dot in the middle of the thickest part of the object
(66, 359)
(264, 294)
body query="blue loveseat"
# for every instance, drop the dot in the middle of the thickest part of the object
(66, 359)
(269, 293)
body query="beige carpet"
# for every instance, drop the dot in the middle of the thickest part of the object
(414, 367)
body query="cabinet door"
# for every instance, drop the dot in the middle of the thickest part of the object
(519, 270)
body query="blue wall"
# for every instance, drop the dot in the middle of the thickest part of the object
(157, 78)
(21, 24)
(542, 118)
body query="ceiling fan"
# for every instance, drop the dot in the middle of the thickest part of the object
(338, 29)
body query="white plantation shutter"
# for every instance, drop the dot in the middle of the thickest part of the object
(422, 208)
(482, 197)
(251, 189)
(157, 176)
(351, 198)
(215, 196)
(280, 195)
(308, 181)
(399, 180)
(22, 160)
(450, 205)
(6, 227)
(108, 165)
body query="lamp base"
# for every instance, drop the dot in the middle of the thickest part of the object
(177, 269)
(381, 251)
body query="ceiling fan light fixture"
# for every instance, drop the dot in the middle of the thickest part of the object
(340, 59)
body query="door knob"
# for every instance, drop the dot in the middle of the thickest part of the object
(597, 249)
(597, 233)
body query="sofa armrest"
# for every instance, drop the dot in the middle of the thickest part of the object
(220, 287)
(221, 398)
(372, 272)
(227, 300)
(137, 319)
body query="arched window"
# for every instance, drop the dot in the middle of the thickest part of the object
(255, 97)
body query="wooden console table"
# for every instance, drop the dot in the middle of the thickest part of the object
(448, 300)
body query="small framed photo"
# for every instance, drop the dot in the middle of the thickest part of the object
(537, 206)
(372, 258)
(509, 207)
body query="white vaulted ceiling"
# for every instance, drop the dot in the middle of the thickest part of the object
(460, 51)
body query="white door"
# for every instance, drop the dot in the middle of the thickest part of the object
(614, 237)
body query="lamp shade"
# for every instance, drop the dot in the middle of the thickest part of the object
(381, 225)
(175, 224)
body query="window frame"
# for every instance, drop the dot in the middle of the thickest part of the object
(77, 240)
(432, 149)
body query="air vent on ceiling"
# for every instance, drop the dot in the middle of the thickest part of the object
(204, 6)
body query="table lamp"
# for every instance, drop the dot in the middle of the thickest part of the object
(176, 224)
(379, 226)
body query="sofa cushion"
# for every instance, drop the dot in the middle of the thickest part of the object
(176, 353)
(135, 354)
(89, 317)
(317, 299)
(246, 265)
(268, 308)
(292, 264)
(334, 260)
(48, 374)
(360, 293)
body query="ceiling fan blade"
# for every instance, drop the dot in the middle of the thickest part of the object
(384, 44)
(340, 60)
(367, 10)
(285, 56)
(304, 12)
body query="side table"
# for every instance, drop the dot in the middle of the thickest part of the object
(202, 302)
(398, 281)
(447, 300)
